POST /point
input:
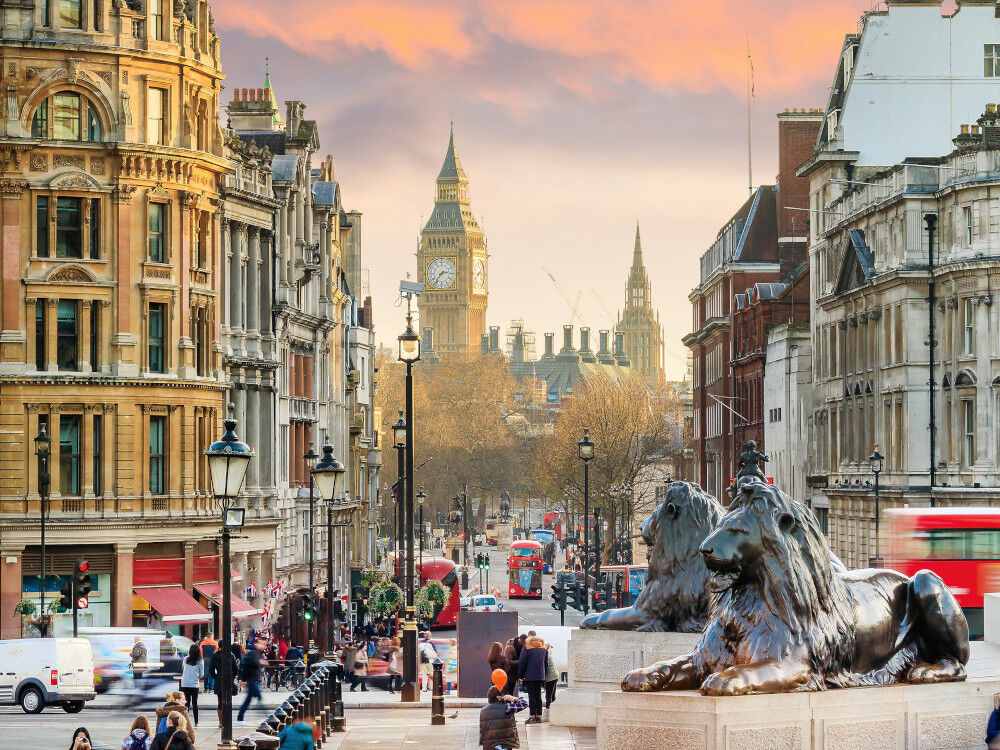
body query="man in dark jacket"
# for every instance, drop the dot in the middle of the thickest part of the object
(497, 720)
(250, 671)
(531, 667)
(215, 670)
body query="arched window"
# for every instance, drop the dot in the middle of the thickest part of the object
(67, 116)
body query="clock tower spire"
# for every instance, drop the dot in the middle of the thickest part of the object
(452, 262)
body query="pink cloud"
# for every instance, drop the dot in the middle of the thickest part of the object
(663, 44)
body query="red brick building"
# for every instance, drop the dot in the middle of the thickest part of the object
(764, 242)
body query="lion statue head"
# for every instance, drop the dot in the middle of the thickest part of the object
(770, 560)
(676, 595)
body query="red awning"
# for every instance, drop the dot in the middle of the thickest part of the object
(174, 605)
(241, 609)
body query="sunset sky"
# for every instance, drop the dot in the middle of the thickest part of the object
(572, 119)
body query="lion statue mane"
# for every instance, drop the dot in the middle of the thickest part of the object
(676, 596)
(788, 616)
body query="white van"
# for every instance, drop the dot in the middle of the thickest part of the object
(40, 672)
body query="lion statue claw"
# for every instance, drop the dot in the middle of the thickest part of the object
(675, 597)
(786, 615)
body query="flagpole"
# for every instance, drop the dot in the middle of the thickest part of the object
(749, 95)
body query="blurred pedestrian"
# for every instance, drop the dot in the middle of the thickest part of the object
(140, 736)
(215, 670)
(250, 674)
(510, 666)
(425, 662)
(394, 657)
(138, 658)
(191, 674)
(551, 679)
(208, 648)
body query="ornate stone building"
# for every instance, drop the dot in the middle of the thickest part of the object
(452, 262)
(885, 234)
(640, 325)
(112, 166)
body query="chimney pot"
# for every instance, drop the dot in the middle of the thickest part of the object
(975, 129)
(965, 129)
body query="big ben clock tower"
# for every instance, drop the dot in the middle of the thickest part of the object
(452, 263)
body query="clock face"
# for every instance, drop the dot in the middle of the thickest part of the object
(479, 275)
(441, 273)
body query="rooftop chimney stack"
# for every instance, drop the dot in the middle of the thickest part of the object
(585, 353)
(549, 346)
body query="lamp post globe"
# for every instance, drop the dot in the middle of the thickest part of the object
(327, 473)
(228, 459)
(399, 432)
(409, 344)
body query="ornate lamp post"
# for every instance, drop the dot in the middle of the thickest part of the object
(876, 460)
(326, 475)
(597, 545)
(310, 459)
(399, 440)
(586, 447)
(228, 460)
(42, 445)
(409, 352)
(421, 496)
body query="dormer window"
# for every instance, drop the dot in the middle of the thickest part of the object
(67, 116)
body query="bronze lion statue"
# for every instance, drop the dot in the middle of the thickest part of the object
(787, 616)
(676, 596)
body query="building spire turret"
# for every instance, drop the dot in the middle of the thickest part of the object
(638, 324)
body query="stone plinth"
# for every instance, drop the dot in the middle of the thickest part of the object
(949, 716)
(599, 659)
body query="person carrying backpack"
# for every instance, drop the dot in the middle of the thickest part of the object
(140, 736)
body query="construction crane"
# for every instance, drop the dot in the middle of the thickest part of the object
(574, 306)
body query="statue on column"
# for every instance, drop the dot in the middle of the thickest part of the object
(749, 462)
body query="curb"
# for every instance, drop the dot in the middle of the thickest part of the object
(369, 706)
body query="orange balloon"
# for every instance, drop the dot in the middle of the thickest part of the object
(499, 678)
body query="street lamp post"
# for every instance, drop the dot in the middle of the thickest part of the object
(310, 459)
(42, 443)
(597, 545)
(409, 352)
(399, 440)
(228, 460)
(326, 475)
(877, 461)
(586, 447)
(421, 496)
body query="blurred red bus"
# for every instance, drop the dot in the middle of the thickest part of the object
(439, 569)
(524, 568)
(962, 545)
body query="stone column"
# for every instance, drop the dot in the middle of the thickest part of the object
(188, 580)
(253, 290)
(10, 589)
(121, 604)
(225, 266)
(252, 427)
(124, 340)
(235, 277)
(10, 260)
(87, 455)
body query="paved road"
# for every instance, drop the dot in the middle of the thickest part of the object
(530, 611)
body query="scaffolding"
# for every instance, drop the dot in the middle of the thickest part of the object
(520, 343)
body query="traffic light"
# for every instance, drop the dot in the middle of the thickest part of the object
(66, 596)
(558, 596)
(83, 584)
(602, 596)
(574, 596)
(308, 608)
(482, 561)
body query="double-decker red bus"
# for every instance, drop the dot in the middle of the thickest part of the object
(962, 545)
(626, 583)
(438, 569)
(524, 567)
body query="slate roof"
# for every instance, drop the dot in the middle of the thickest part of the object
(285, 167)
(326, 193)
(451, 170)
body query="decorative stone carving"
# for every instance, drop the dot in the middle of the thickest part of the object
(123, 192)
(158, 273)
(73, 181)
(39, 163)
(73, 69)
(12, 188)
(70, 273)
(125, 116)
(106, 77)
(98, 165)
(32, 73)
(69, 160)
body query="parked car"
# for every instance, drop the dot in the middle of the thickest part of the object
(484, 603)
(40, 672)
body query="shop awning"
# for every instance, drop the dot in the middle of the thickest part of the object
(174, 605)
(241, 609)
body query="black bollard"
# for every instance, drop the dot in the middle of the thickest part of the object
(437, 696)
(247, 744)
(337, 699)
(295, 699)
(284, 714)
(324, 696)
